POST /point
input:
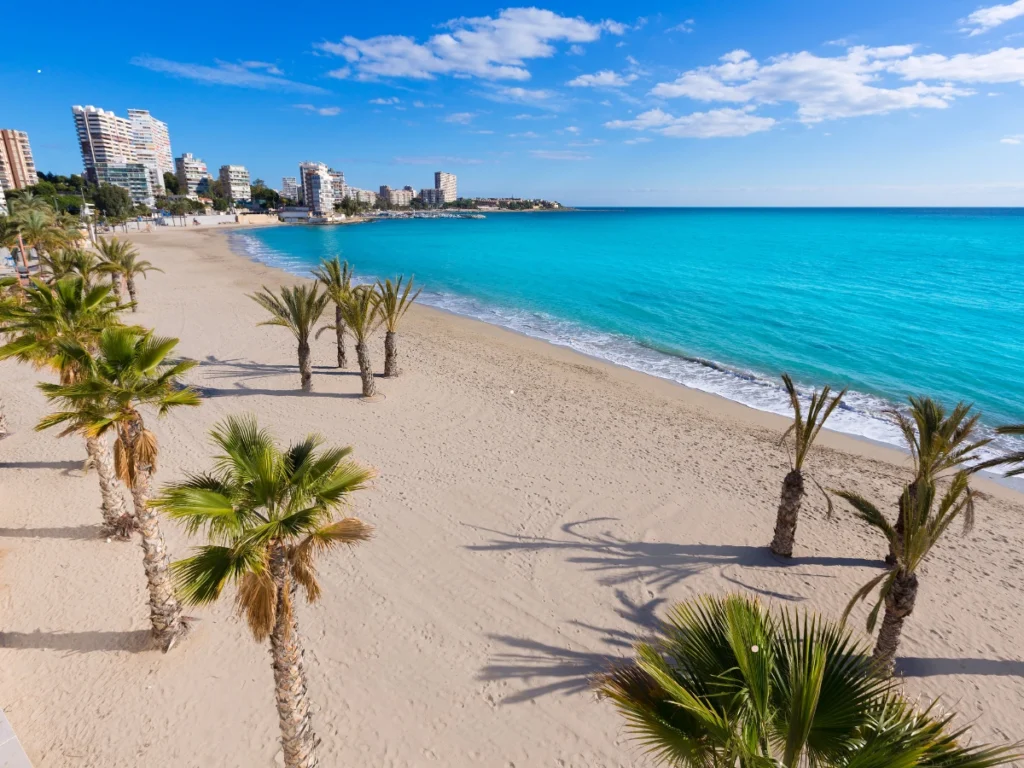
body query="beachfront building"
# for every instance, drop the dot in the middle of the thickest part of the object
(362, 195)
(432, 197)
(318, 188)
(447, 184)
(338, 186)
(193, 178)
(151, 146)
(235, 179)
(104, 139)
(397, 197)
(17, 168)
(290, 188)
(131, 176)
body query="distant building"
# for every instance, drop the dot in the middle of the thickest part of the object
(362, 195)
(447, 183)
(397, 197)
(17, 168)
(317, 188)
(151, 146)
(432, 197)
(290, 188)
(235, 179)
(294, 215)
(193, 178)
(103, 138)
(338, 186)
(132, 176)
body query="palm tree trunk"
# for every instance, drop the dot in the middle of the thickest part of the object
(298, 741)
(164, 609)
(131, 292)
(789, 511)
(115, 287)
(339, 329)
(899, 604)
(908, 497)
(390, 354)
(366, 370)
(305, 366)
(116, 519)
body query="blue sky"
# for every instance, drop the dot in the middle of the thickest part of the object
(702, 103)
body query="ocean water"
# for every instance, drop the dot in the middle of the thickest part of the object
(886, 302)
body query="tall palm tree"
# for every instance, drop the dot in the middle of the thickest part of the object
(9, 303)
(939, 443)
(268, 514)
(925, 519)
(804, 430)
(298, 309)
(336, 277)
(130, 371)
(50, 318)
(727, 684)
(361, 316)
(121, 260)
(392, 306)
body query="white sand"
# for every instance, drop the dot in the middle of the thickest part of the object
(523, 540)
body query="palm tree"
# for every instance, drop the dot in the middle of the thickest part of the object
(121, 260)
(58, 264)
(69, 312)
(939, 443)
(804, 431)
(336, 277)
(10, 230)
(38, 231)
(727, 684)
(130, 371)
(923, 526)
(298, 309)
(268, 514)
(9, 303)
(1014, 457)
(359, 311)
(392, 306)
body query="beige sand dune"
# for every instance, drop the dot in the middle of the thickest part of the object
(536, 510)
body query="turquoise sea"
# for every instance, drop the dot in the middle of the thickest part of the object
(887, 302)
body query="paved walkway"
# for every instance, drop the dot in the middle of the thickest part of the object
(11, 753)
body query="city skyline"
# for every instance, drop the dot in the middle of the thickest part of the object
(915, 105)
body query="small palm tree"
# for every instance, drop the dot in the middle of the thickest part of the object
(38, 231)
(939, 443)
(129, 372)
(121, 260)
(727, 684)
(268, 515)
(336, 277)
(925, 519)
(804, 431)
(1014, 457)
(361, 316)
(298, 309)
(392, 306)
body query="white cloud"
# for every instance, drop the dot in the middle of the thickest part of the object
(576, 50)
(386, 101)
(615, 27)
(270, 69)
(606, 78)
(572, 129)
(826, 88)
(686, 26)
(524, 135)
(483, 133)
(558, 154)
(984, 19)
(525, 116)
(224, 73)
(1015, 139)
(715, 123)
(591, 143)
(342, 73)
(485, 47)
(638, 140)
(462, 118)
(1005, 65)
(325, 111)
(535, 97)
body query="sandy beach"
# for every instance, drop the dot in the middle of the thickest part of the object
(536, 510)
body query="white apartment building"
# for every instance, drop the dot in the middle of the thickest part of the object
(134, 177)
(17, 168)
(290, 188)
(338, 186)
(151, 146)
(397, 197)
(362, 195)
(103, 137)
(235, 179)
(317, 188)
(447, 183)
(191, 172)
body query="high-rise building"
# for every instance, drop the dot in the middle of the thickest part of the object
(446, 182)
(151, 146)
(362, 195)
(235, 179)
(134, 177)
(318, 188)
(17, 168)
(103, 137)
(338, 186)
(191, 171)
(290, 188)
(397, 197)
(431, 196)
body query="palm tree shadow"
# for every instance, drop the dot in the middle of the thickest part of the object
(67, 466)
(74, 533)
(241, 391)
(565, 671)
(247, 369)
(658, 564)
(925, 667)
(134, 641)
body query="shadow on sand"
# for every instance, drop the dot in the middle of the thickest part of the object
(922, 667)
(67, 466)
(74, 533)
(135, 641)
(247, 369)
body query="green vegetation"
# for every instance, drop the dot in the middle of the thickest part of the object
(298, 309)
(392, 304)
(336, 278)
(171, 183)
